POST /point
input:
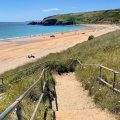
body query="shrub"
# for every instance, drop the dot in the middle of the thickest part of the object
(90, 37)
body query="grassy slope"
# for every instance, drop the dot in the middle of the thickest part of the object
(105, 16)
(14, 90)
(105, 50)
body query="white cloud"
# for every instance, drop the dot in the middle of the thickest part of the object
(51, 9)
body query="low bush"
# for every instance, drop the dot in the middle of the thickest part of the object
(90, 37)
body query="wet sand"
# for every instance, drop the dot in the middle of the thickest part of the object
(14, 53)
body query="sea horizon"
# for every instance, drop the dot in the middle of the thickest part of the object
(14, 30)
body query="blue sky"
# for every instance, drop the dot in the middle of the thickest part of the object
(27, 10)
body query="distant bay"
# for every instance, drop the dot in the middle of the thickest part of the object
(12, 30)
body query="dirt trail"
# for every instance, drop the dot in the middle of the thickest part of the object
(74, 102)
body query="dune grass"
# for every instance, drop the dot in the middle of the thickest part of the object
(103, 50)
(28, 104)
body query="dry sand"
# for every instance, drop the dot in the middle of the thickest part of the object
(14, 53)
(74, 102)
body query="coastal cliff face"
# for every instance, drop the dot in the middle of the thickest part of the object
(96, 17)
(56, 22)
(52, 22)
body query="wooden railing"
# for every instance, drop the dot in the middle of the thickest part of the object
(41, 80)
(4, 78)
(16, 105)
(4, 81)
(100, 77)
(112, 86)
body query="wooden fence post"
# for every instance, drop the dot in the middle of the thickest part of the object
(2, 81)
(56, 102)
(100, 71)
(50, 101)
(114, 80)
(42, 84)
(19, 112)
(44, 75)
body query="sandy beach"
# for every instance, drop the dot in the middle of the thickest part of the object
(14, 53)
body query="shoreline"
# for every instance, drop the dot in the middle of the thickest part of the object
(87, 26)
(14, 53)
(42, 34)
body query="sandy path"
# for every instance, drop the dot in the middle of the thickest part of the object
(74, 102)
(14, 54)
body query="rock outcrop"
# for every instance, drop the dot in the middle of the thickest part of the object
(49, 22)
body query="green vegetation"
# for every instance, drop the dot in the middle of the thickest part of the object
(15, 89)
(96, 17)
(90, 37)
(103, 50)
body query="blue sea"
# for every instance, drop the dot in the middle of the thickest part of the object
(11, 30)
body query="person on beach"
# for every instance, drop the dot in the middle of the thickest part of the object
(31, 56)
